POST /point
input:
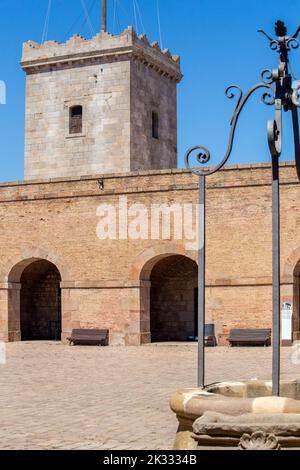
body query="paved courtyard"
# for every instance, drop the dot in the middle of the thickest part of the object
(58, 397)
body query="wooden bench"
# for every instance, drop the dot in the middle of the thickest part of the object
(250, 337)
(89, 337)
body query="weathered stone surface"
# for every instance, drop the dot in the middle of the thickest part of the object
(247, 432)
(212, 423)
(260, 423)
(255, 388)
(119, 81)
(194, 403)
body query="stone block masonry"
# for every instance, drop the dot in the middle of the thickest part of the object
(119, 82)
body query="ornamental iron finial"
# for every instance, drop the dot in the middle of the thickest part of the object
(278, 91)
(283, 41)
(280, 28)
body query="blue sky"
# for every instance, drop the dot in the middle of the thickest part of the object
(218, 44)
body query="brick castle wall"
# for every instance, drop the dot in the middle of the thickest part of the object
(107, 283)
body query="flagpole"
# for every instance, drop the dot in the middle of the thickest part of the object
(104, 15)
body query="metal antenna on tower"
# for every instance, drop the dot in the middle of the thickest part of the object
(104, 15)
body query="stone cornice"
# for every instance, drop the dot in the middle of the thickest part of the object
(144, 182)
(150, 172)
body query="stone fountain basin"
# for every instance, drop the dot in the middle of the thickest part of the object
(237, 414)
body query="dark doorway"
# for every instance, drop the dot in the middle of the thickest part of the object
(40, 302)
(172, 299)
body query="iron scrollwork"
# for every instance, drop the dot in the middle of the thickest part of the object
(279, 92)
(203, 156)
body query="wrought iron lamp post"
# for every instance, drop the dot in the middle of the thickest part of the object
(279, 92)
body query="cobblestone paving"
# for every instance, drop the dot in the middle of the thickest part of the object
(59, 397)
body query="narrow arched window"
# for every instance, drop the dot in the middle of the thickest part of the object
(155, 125)
(75, 122)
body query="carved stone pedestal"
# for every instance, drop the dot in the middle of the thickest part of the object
(238, 416)
(274, 431)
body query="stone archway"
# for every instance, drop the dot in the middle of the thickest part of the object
(34, 301)
(173, 312)
(291, 289)
(168, 297)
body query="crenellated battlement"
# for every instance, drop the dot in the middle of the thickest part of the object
(78, 49)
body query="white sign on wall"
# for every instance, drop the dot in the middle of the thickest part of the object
(286, 328)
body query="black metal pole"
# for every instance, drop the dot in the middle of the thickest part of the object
(201, 285)
(276, 276)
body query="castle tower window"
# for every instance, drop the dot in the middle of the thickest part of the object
(75, 124)
(155, 124)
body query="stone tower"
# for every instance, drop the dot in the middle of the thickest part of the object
(98, 106)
